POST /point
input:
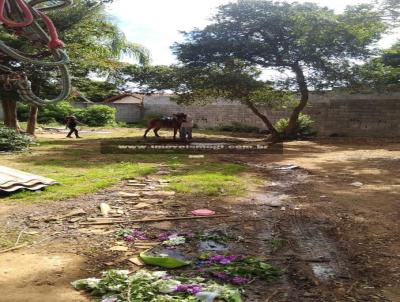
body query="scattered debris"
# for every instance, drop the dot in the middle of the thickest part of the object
(156, 286)
(196, 156)
(203, 212)
(274, 203)
(105, 209)
(136, 184)
(14, 248)
(137, 261)
(112, 221)
(211, 245)
(19, 236)
(272, 295)
(163, 257)
(289, 167)
(166, 225)
(128, 195)
(159, 193)
(119, 248)
(74, 212)
(142, 205)
(12, 180)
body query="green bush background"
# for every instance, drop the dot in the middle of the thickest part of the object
(96, 115)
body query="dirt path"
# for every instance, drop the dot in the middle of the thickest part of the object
(333, 241)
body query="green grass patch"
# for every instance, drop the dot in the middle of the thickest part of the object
(275, 244)
(75, 181)
(80, 168)
(211, 179)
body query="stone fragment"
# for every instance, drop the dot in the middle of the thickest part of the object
(127, 195)
(137, 261)
(119, 248)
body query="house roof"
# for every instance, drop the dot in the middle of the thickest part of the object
(126, 98)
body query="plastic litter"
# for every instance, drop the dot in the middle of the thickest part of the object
(203, 212)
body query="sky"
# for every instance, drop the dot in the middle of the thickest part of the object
(156, 24)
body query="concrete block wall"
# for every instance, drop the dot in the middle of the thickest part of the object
(348, 115)
(342, 114)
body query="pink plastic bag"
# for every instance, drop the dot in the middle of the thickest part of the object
(203, 212)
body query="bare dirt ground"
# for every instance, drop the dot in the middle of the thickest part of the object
(326, 214)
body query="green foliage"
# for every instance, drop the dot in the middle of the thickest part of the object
(49, 113)
(96, 115)
(237, 127)
(283, 35)
(382, 73)
(275, 244)
(304, 126)
(151, 287)
(210, 180)
(95, 91)
(94, 44)
(292, 37)
(249, 268)
(11, 140)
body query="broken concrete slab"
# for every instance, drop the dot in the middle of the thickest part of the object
(74, 212)
(127, 194)
(159, 193)
(119, 248)
(165, 225)
(105, 209)
(136, 184)
(150, 200)
(141, 205)
(137, 261)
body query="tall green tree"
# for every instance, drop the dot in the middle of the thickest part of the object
(313, 43)
(234, 81)
(95, 46)
(379, 74)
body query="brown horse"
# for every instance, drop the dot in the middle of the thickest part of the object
(170, 122)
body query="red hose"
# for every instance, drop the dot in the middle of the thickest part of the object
(55, 42)
(25, 10)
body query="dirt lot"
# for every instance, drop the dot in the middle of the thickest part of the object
(326, 213)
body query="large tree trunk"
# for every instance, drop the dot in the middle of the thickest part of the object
(10, 114)
(291, 129)
(6, 114)
(264, 118)
(33, 113)
(33, 109)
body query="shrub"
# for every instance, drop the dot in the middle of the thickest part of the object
(49, 113)
(304, 128)
(11, 140)
(96, 115)
(237, 127)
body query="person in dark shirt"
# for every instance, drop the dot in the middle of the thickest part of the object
(71, 122)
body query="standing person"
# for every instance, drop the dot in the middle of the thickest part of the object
(186, 128)
(71, 122)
